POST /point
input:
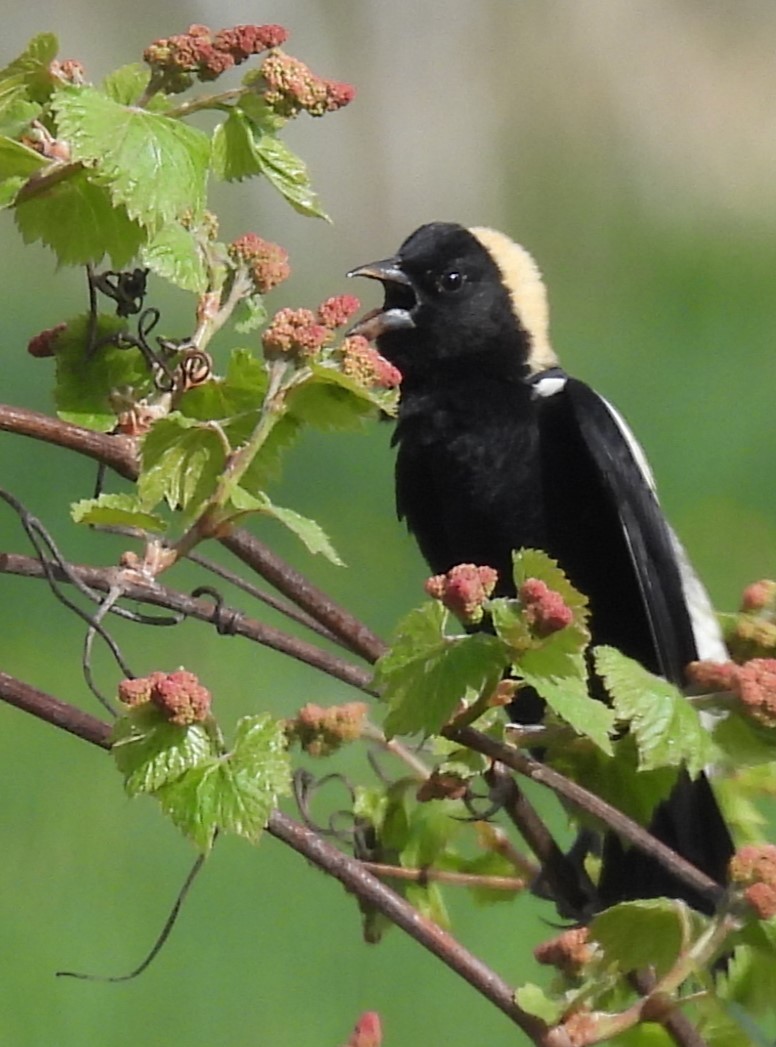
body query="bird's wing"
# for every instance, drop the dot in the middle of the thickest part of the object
(680, 617)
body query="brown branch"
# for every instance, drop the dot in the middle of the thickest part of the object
(120, 453)
(559, 874)
(348, 871)
(236, 623)
(618, 822)
(369, 890)
(449, 876)
(353, 633)
(677, 1025)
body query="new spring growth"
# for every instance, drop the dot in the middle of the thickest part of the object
(368, 1031)
(321, 730)
(203, 54)
(178, 695)
(266, 262)
(753, 684)
(545, 610)
(752, 633)
(463, 590)
(45, 343)
(754, 869)
(291, 87)
(570, 952)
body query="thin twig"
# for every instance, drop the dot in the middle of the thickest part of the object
(103, 578)
(449, 876)
(570, 888)
(358, 637)
(615, 820)
(348, 871)
(120, 453)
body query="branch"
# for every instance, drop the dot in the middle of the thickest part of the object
(229, 620)
(120, 453)
(357, 880)
(572, 897)
(353, 633)
(449, 876)
(620, 823)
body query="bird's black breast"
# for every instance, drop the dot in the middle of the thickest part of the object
(487, 468)
(467, 474)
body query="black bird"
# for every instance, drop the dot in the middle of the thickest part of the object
(499, 449)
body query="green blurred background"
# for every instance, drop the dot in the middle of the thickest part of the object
(631, 144)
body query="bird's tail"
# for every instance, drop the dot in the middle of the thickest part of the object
(690, 823)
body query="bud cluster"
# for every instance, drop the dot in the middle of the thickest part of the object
(570, 951)
(45, 342)
(368, 1031)
(753, 867)
(753, 632)
(179, 695)
(463, 590)
(545, 610)
(292, 87)
(321, 730)
(753, 683)
(295, 334)
(266, 262)
(364, 364)
(205, 54)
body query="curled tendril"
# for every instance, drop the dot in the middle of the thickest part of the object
(306, 787)
(223, 618)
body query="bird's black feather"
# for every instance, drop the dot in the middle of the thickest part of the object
(491, 459)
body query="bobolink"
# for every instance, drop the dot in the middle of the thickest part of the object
(499, 449)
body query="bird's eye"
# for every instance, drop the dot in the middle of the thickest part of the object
(450, 282)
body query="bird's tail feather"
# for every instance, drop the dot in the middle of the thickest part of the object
(689, 822)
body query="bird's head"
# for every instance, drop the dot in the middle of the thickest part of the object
(456, 296)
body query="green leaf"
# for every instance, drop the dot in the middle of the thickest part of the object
(724, 1024)
(240, 392)
(331, 401)
(488, 863)
(616, 779)
(667, 729)
(115, 510)
(234, 156)
(742, 743)
(426, 673)
(536, 1001)
(18, 159)
(431, 828)
(235, 793)
(174, 254)
(150, 752)
(85, 386)
(310, 533)
(28, 76)
(288, 173)
(251, 313)
(533, 563)
(749, 978)
(428, 900)
(78, 221)
(640, 934)
(17, 117)
(126, 84)
(560, 679)
(182, 462)
(153, 165)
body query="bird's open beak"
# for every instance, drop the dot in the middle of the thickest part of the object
(400, 300)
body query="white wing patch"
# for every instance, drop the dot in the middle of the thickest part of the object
(549, 386)
(706, 631)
